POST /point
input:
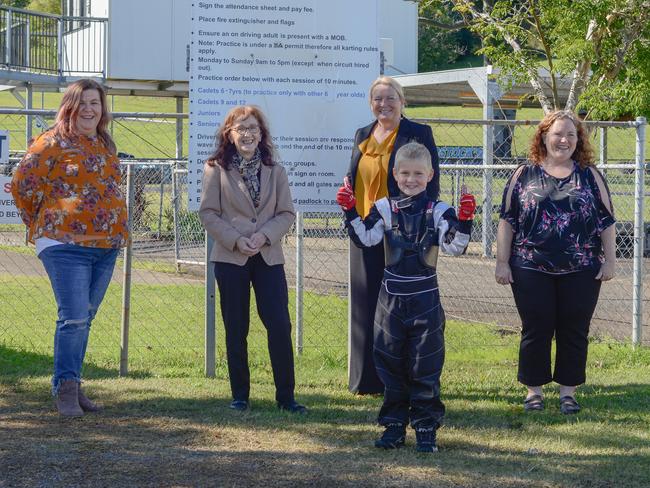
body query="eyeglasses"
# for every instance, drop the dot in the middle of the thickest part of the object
(255, 130)
(389, 99)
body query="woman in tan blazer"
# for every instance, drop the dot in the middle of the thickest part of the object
(246, 207)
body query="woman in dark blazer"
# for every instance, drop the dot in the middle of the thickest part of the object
(246, 207)
(371, 176)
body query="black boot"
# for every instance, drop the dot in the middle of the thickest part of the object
(425, 439)
(393, 437)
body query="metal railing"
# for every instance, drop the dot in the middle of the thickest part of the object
(52, 44)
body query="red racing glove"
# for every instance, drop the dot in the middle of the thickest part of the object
(466, 207)
(345, 196)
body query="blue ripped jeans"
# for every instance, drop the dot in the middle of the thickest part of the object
(79, 277)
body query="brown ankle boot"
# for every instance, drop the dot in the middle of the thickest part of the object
(67, 399)
(86, 404)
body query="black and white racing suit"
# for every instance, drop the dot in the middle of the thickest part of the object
(409, 346)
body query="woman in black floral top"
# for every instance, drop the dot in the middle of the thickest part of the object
(555, 245)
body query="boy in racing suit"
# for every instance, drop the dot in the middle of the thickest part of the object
(409, 319)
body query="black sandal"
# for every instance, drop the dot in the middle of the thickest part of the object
(534, 403)
(568, 405)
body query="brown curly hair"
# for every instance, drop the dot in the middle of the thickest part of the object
(583, 154)
(225, 149)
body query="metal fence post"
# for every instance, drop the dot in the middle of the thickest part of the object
(104, 50)
(126, 278)
(112, 111)
(637, 273)
(59, 45)
(299, 281)
(488, 158)
(29, 98)
(349, 262)
(210, 313)
(8, 36)
(28, 44)
(179, 128)
(455, 197)
(602, 153)
(175, 203)
(163, 170)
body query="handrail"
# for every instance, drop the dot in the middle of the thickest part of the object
(52, 16)
(39, 42)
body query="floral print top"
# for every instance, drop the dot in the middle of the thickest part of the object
(70, 191)
(557, 222)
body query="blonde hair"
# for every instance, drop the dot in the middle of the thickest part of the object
(388, 81)
(413, 151)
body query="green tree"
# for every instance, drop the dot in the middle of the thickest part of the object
(601, 46)
(444, 40)
(47, 6)
(15, 3)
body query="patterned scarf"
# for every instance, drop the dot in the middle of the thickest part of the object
(250, 173)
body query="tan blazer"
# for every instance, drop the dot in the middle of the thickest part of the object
(227, 212)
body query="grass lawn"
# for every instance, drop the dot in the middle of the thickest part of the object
(168, 425)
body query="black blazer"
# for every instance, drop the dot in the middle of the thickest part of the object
(408, 131)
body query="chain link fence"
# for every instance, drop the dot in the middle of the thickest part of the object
(166, 276)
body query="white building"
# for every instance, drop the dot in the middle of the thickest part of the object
(149, 39)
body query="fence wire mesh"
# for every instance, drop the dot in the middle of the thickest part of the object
(167, 290)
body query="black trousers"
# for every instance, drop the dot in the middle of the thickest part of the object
(366, 272)
(409, 354)
(270, 285)
(554, 305)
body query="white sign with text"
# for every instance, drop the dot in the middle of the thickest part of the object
(306, 63)
(8, 211)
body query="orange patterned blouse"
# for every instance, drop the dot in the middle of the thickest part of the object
(70, 191)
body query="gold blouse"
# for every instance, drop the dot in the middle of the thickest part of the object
(371, 183)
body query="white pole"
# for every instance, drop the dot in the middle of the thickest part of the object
(488, 158)
(8, 36)
(637, 286)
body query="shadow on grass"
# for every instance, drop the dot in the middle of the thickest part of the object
(211, 445)
(220, 447)
(15, 363)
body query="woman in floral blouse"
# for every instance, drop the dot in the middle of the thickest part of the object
(555, 245)
(67, 188)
